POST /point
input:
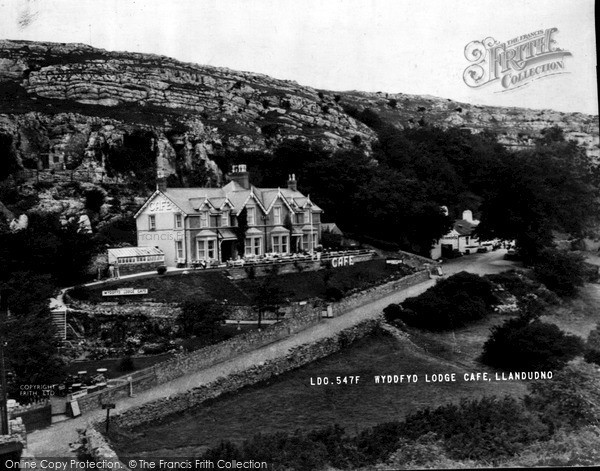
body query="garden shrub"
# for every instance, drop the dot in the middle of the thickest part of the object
(451, 303)
(526, 344)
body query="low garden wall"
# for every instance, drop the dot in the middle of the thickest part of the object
(296, 358)
(371, 294)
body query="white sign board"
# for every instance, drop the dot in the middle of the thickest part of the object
(125, 292)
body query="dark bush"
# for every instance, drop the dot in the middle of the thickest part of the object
(456, 301)
(561, 272)
(161, 270)
(333, 293)
(592, 346)
(94, 199)
(526, 344)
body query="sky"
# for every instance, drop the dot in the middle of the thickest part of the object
(394, 46)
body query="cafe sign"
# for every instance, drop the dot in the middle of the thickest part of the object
(342, 261)
(125, 292)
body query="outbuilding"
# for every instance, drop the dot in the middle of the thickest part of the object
(128, 260)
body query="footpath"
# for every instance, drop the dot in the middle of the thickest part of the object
(54, 441)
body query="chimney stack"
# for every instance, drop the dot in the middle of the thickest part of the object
(292, 183)
(161, 181)
(467, 215)
(240, 175)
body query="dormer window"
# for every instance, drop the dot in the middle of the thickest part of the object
(225, 219)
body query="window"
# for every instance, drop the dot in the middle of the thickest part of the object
(225, 219)
(300, 218)
(178, 221)
(206, 249)
(252, 246)
(277, 215)
(179, 249)
(280, 244)
(152, 222)
(204, 219)
(251, 216)
(305, 245)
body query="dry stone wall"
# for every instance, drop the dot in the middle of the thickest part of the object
(296, 358)
(300, 317)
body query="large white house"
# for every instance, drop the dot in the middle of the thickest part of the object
(201, 224)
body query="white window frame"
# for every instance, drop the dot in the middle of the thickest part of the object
(251, 215)
(280, 242)
(178, 221)
(277, 215)
(205, 249)
(253, 246)
(204, 219)
(152, 222)
(179, 249)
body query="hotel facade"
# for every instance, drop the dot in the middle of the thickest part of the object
(195, 225)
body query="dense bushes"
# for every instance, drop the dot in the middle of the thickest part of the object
(451, 303)
(488, 429)
(592, 347)
(526, 344)
(562, 272)
(571, 399)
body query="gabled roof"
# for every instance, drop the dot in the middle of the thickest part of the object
(193, 200)
(464, 228)
(154, 195)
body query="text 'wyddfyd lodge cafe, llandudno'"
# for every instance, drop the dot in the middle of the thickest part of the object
(190, 225)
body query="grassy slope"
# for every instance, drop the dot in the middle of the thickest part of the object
(289, 401)
(214, 285)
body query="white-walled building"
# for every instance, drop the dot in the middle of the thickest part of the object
(201, 224)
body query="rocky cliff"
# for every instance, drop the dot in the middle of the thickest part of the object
(64, 107)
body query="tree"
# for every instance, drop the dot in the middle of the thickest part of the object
(561, 271)
(32, 353)
(267, 294)
(199, 317)
(554, 187)
(527, 344)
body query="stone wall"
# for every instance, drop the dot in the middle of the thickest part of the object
(296, 358)
(303, 317)
(33, 417)
(95, 446)
(371, 294)
(300, 317)
(115, 308)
